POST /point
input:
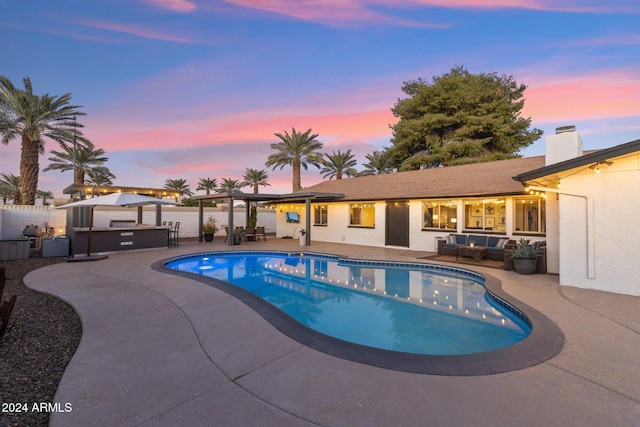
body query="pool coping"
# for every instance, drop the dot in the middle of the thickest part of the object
(544, 342)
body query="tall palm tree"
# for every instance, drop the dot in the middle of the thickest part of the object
(339, 163)
(297, 150)
(44, 195)
(99, 176)
(11, 185)
(84, 160)
(207, 184)
(5, 192)
(229, 185)
(255, 178)
(379, 162)
(179, 186)
(33, 118)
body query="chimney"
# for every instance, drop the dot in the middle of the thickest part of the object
(564, 145)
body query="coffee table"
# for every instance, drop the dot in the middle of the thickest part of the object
(475, 252)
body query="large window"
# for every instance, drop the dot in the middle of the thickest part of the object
(439, 214)
(362, 214)
(320, 214)
(530, 215)
(485, 214)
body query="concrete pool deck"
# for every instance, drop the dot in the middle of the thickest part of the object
(158, 349)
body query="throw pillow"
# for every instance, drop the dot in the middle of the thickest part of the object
(450, 240)
(501, 243)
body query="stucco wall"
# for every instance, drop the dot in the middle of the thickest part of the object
(616, 203)
(13, 219)
(338, 230)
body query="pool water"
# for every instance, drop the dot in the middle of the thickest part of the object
(409, 308)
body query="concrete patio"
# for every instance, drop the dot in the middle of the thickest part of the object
(158, 349)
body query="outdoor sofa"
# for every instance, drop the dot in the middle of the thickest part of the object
(495, 245)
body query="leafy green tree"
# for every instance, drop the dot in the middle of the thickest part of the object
(338, 163)
(178, 186)
(229, 185)
(459, 118)
(255, 178)
(10, 184)
(379, 162)
(207, 184)
(85, 160)
(44, 195)
(298, 150)
(32, 118)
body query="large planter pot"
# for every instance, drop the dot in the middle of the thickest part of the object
(303, 240)
(208, 237)
(525, 265)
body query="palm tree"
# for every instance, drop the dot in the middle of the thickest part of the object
(44, 195)
(84, 160)
(339, 163)
(11, 187)
(179, 186)
(5, 192)
(255, 178)
(297, 150)
(32, 118)
(379, 163)
(207, 184)
(99, 176)
(229, 185)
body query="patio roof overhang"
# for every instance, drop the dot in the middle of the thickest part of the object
(274, 198)
(299, 197)
(551, 173)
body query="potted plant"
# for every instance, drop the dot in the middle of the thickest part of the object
(302, 238)
(209, 229)
(472, 243)
(525, 257)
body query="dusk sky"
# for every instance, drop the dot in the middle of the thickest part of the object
(197, 88)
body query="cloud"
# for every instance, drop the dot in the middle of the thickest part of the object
(173, 5)
(344, 12)
(581, 6)
(580, 96)
(329, 12)
(142, 32)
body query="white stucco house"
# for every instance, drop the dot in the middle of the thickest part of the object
(583, 205)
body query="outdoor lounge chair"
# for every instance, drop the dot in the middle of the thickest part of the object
(260, 232)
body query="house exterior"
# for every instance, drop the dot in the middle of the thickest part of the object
(588, 223)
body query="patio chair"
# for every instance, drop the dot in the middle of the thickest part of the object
(250, 234)
(260, 232)
(173, 234)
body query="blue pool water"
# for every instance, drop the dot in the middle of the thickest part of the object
(408, 308)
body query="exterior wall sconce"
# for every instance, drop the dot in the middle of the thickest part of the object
(596, 166)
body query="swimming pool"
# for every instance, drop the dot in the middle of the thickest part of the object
(408, 308)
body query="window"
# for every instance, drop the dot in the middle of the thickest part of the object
(485, 215)
(362, 214)
(439, 214)
(530, 215)
(320, 214)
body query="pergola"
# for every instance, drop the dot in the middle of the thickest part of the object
(299, 197)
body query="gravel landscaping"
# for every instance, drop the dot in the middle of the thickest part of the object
(43, 336)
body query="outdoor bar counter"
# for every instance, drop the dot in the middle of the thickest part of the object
(112, 239)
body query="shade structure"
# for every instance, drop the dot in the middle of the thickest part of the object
(119, 199)
(129, 200)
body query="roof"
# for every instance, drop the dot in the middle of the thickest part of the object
(476, 179)
(591, 158)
